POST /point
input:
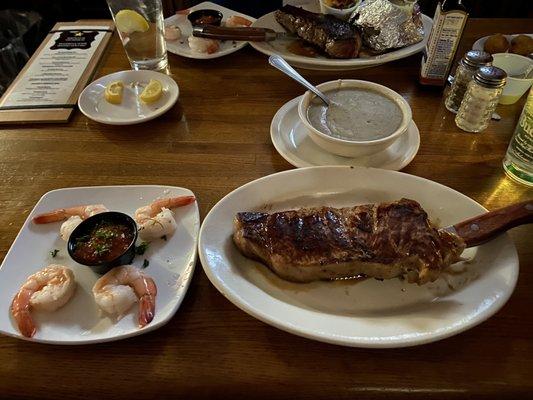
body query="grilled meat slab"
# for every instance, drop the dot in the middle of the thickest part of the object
(382, 241)
(335, 37)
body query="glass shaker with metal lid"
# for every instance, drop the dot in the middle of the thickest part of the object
(464, 73)
(481, 99)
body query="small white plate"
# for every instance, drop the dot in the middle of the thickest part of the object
(181, 46)
(79, 321)
(390, 313)
(329, 64)
(132, 110)
(290, 138)
(480, 43)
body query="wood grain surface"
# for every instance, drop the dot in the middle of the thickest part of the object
(216, 139)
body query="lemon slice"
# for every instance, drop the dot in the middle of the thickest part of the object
(129, 21)
(152, 92)
(113, 92)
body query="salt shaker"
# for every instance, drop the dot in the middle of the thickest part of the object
(480, 99)
(464, 73)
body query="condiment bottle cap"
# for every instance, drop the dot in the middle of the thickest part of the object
(477, 58)
(490, 77)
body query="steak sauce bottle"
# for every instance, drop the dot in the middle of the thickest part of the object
(448, 24)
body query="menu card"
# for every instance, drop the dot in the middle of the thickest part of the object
(47, 88)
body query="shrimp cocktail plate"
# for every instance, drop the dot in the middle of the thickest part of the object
(48, 297)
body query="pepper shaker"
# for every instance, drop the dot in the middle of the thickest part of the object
(481, 99)
(464, 73)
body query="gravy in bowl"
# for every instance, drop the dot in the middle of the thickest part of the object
(358, 115)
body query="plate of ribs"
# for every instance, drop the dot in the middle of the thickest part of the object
(323, 42)
(361, 257)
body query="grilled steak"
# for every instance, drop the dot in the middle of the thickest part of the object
(334, 36)
(382, 241)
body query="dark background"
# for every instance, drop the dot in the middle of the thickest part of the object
(70, 10)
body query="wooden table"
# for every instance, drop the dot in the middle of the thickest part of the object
(216, 139)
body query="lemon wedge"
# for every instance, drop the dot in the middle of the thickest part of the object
(113, 92)
(129, 21)
(152, 92)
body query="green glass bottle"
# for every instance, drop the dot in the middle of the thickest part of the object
(518, 162)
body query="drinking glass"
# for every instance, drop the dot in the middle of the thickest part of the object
(518, 162)
(140, 26)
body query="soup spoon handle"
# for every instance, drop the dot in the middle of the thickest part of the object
(279, 63)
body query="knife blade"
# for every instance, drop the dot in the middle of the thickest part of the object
(241, 34)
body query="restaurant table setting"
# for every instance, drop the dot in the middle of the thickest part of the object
(383, 205)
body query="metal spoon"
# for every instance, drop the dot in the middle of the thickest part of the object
(279, 63)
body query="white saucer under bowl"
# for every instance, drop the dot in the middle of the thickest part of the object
(290, 138)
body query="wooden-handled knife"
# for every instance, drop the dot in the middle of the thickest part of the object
(478, 230)
(240, 34)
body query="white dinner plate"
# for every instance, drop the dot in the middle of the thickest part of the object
(171, 265)
(181, 46)
(132, 110)
(329, 64)
(290, 138)
(372, 313)
(480, 43)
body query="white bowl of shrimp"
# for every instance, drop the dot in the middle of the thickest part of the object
(50, 298)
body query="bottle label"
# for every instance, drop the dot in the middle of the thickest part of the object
(442, 44)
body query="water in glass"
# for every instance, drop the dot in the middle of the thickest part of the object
(141, 27)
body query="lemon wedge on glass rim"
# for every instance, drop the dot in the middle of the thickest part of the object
(113, 92)
(152, 92)
(129, 21)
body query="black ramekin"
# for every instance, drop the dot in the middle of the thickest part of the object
(195, 15)
(85, 227)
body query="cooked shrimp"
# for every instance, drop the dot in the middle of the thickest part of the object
(172, 33)
(46, 290)
(156, 219)
(236, 21)
(74, 214)
(68, 227)
(117, 290)
(203, 45)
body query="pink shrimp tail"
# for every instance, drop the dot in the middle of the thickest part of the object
(25, 324)
(52, 216)
(170, 202)
(20, 310)
(212, 48)
(146, 310)
(182, 201)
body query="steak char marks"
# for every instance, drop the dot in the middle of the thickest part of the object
(382, 241)
(335, 37)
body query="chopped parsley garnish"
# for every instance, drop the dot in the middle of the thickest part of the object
(141, 249)
(103, 233)
(101, 248)
(54, 252)
(145, 263)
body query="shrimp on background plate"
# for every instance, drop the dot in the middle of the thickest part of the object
(203, 45)
(46, 290)
(73, 216)
(236, 21)
(117, 290)
(156, 219)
